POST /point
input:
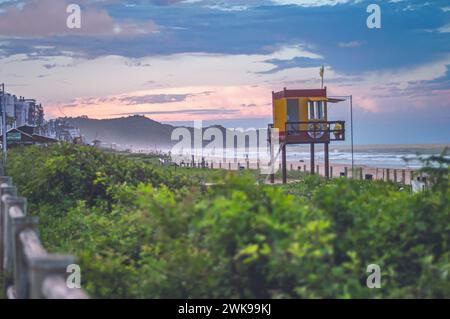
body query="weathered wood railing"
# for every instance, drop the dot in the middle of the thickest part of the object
(27, 270)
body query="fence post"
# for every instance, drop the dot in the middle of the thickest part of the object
(5, 192)
(403, 177)
(331, 171)
(346, 171)
(5, 181)
(20, 223)
(361, 173)
(46, 266)
(8, 238)
(388, 174)
(395, 175)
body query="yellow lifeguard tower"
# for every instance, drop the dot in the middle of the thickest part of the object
(301, 117)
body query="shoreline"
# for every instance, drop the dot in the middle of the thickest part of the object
(398, 157)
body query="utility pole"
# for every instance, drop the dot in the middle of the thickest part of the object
(351, 124)
(3, 106)
(350, 98)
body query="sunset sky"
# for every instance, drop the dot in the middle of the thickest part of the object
(218, 61)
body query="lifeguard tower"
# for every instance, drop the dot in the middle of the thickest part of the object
(301, 117)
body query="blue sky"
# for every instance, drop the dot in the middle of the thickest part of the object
(218, 61)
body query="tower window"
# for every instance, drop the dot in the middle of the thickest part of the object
(316, 110)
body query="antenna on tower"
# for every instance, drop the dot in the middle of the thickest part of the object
(322, 73)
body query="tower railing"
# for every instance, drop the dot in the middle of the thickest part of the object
(314, 131)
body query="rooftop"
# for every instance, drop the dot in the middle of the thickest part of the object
(300, 93)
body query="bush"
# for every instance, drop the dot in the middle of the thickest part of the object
(140, 231)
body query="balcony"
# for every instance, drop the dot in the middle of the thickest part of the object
(312, 132)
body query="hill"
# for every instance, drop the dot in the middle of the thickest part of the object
(133, 130)
(141, 132)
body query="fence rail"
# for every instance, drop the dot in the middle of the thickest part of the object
(27, 270)
(405, 176)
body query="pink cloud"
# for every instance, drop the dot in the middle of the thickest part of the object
(361, 100)
(367, 104)
(209, 103)
(40, 18)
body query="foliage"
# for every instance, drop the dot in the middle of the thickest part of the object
(141, 231)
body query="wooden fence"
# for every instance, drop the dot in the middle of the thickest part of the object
(402, 176)
(27, 270)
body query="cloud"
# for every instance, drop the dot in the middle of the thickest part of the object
(445, 28)
(44, 18)
(137, 99)
(240, 56)
(154, 99)
(195, 27)
(182, 112)
(155, 2)
(311, 3)
(188, 103)
(296, 62)
(221, 81)
(158, 98)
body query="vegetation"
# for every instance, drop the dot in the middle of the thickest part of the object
(143, 231)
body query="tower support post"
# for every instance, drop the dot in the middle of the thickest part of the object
(272, 161)
(327, 160)
(283, 160)
(312, 159)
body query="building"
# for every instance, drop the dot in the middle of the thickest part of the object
(17, 137)
(20, 111)
(25, 112)
(301, 117)
(25, 123)
(9, 103)
(61, 130)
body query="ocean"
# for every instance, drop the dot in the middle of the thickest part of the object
(376, 156)
(380, 156)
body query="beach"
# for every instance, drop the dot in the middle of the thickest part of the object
(378, 162)
(336, 170)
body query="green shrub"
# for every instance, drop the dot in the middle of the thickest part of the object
(141, 231)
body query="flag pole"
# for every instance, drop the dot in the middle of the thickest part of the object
(322, 71)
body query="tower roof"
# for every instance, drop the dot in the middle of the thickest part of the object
(300, 93)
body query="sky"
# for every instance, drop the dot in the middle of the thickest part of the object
(176, 61)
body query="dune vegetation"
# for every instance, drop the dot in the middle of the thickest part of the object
(140, 230)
